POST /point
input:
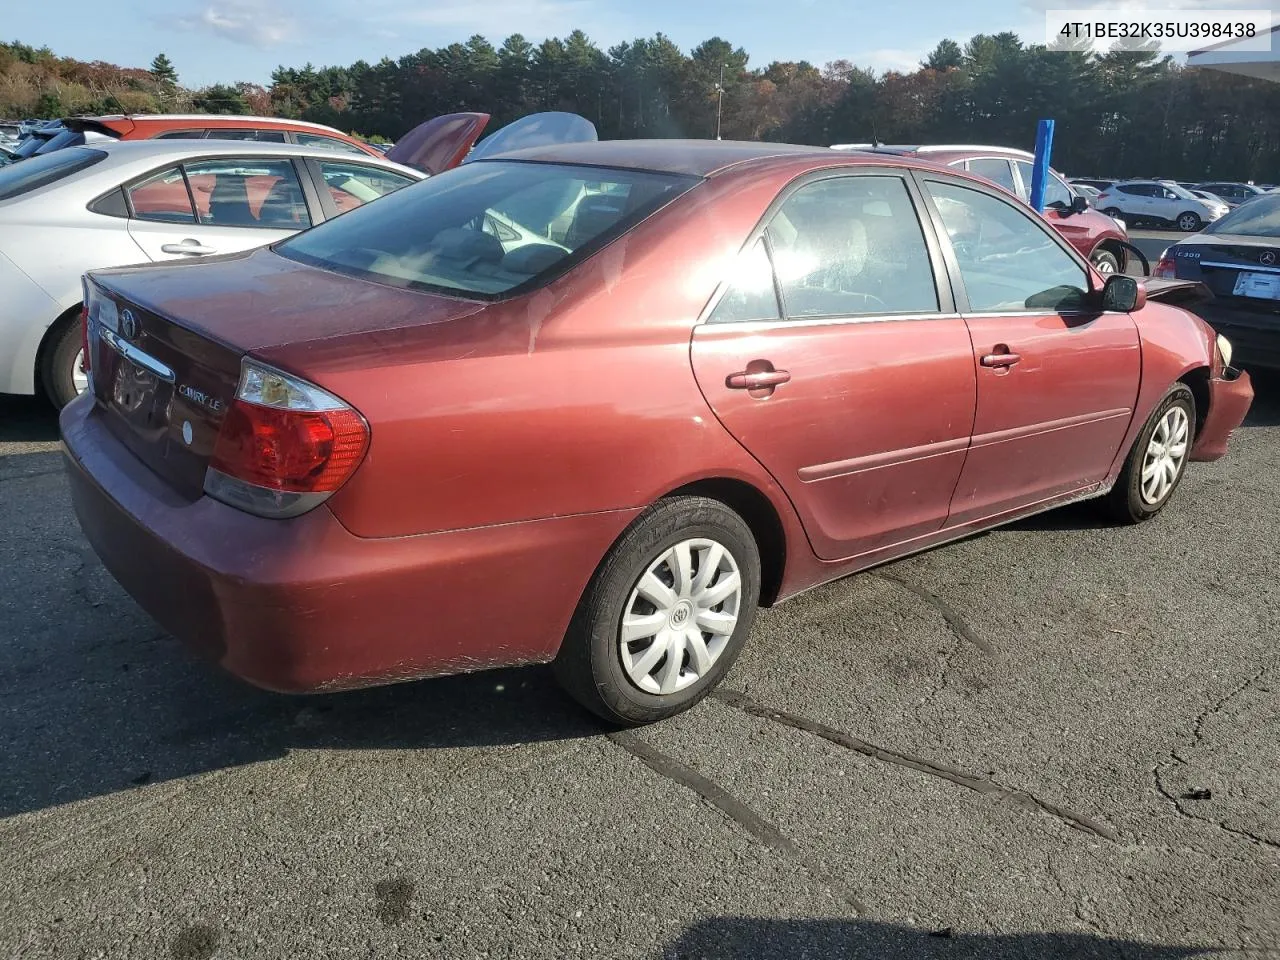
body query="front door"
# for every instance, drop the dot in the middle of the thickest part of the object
(1056, 378)
(223, 205)
(839, 364)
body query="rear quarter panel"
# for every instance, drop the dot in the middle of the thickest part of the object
(577, 398)
(1174, 342)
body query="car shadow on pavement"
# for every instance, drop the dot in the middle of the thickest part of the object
(760, 938)
(1265, 410)
(101, 719)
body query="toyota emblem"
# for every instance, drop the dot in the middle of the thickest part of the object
(1268, 257)
(128, 324)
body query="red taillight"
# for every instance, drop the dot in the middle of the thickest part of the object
(1165, 269)
(291, 451)
(1104, 196)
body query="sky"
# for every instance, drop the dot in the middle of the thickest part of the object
(212, 41)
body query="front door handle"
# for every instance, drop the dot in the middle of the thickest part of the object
(756, 379)
(188, 247)
(1005, 359)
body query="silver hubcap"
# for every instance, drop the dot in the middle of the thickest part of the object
(1166, 454)
(79, 376)
(1188, 223)
(1104, 266)
(680, 616)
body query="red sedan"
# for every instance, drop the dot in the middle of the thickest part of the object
(595, 403)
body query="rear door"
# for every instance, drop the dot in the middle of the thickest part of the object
(221, 205)
(846, 373)
(1056, 379)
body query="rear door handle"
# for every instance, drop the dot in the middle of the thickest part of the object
(1001, 359)
(756, 379)
(189, 247)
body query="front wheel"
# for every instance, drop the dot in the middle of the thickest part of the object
(1189, 222)
(1114, 213)
(665, 615)
(1158, 459)
(62, 373)
(1105, 262)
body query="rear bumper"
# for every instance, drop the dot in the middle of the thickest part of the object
(303, 605)
(1254, 334)
(1229, 399)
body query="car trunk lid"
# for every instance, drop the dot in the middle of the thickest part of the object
(439, 144)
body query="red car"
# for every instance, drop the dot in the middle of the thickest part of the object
(594, 403)
(1103, 240)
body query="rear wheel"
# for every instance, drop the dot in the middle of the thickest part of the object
(1158, 459)
(1189, 222)
(1105, 262)
(665, 615)
(62, 371)
(1114, 213)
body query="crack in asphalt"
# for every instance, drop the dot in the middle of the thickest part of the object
(735, 809)
(1018, 797)
(955, 620)
(1197, 734)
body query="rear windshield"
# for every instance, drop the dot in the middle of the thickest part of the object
(28, 175)
(487, 229)
(1259, 217)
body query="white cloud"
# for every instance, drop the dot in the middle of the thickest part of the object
(254, 23)
(495, 19)
(901, 59)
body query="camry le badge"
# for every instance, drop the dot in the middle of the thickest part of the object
(128, 324)
(201, 398)
(1268, 257)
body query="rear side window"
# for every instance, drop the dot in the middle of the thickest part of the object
(1056, 193)
(328, 143)
(488, 228)
(751, 294)
(851, 246)
(1136, 190)
(19, 178)
(179, 135)
(264, 136)
(245, 192)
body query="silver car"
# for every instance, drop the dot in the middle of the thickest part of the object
(129, 202)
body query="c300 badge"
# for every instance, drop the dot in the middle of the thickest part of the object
(128, 324)
(201, 398)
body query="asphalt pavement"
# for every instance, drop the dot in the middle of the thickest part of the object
(1059, 739)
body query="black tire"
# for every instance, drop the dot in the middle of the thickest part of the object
(1114, 213)
(1189, 222)
(1106, 262)
(56, 373)
(1125, 503)
(589, 666)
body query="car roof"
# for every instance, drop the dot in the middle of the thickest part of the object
(174, 119)
(126, 151)
(700, 158)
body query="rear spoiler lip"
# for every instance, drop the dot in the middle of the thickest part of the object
(81, 124)
(1178, 292)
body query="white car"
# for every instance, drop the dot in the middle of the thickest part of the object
(1164, 203)
(129, 202)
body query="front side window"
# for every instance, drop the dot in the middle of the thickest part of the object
(440, 234)
(995, 169)
(162, 197)
(1008, 260)
(248, 192)
(351, 185)
(328, 143)
(19, 178)
(851, 246)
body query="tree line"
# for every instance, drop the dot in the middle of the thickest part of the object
(1119, 113)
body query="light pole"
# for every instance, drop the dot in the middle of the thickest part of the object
(719, 100)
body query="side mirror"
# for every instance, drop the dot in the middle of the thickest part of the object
(1123, 294)
(1079, 204)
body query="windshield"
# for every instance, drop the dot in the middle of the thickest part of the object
(1260, 217)
(19, 178)
(1182, 193)
(488, 228)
